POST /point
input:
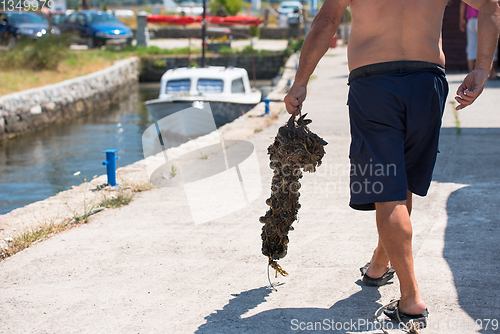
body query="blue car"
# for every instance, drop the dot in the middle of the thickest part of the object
(95, 27)
(18, 24)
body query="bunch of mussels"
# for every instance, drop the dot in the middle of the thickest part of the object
(295, 148)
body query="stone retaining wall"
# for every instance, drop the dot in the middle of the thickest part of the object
(238, 32)
(37, 108)
(266, 67)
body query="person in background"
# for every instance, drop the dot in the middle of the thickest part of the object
(468, 23)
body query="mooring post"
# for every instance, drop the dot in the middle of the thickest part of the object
(142, 34)
(110, 166)
(266, 101)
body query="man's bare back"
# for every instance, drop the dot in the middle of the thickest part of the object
(391, 30)
(388, 30)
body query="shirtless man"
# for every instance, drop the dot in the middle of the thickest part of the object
(396, 98)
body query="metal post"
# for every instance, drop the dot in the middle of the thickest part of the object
(142, 34)
(203, 33)
(110, 166)
(266, 101)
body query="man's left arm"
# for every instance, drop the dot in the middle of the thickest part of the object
(487, 34)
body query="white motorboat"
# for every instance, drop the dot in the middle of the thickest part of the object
(227, 91)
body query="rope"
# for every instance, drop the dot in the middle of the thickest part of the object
(269, 279)
(411, 326)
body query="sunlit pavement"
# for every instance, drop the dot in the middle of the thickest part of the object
(147, 268)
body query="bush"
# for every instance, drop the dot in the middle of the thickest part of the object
(232, 7)
(248, 50)
(254, 31)
(153, 50)
(42, 54)
(294, 45)
(224, 50)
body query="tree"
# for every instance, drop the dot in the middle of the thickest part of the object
(232, 7)
(85, 4)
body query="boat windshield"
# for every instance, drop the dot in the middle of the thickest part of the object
(237, 86)
(178, 86)
(210, 86)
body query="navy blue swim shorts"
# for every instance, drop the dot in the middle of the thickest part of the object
(395, 111)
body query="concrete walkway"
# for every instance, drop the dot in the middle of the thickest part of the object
(146, 268)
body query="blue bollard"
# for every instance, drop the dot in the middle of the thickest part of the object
(110, 166)
(266, 101)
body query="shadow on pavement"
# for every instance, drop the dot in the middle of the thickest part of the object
(472, 237)
(353, 314)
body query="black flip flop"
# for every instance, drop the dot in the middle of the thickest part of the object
(388, 275)
(409, 320)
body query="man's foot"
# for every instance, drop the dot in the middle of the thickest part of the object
(420, 320)
(367, 280)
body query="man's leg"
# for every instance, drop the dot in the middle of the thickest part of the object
(395, 234)
(380, 263)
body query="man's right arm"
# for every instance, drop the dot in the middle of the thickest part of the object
(487, 34)
(317, 42)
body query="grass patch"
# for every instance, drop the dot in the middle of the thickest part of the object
(75, 64)
(30, 237)
(173, 171)
(140, 187)
(117, 201)
(25, 66)
(41, 54)
(48, 61)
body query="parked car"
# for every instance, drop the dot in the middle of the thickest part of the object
(292, 10)
(95, 27)
(57, 19)
(288, 7)
(18, 24)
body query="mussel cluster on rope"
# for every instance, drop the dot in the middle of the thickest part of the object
(295, 148)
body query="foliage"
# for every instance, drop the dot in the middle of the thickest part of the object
(224, 50)
(294, 45)
(247, 50)
(27, 238)
(118, 200)
(153, 50)
(43, 53)
(254, 31)
(232, 7)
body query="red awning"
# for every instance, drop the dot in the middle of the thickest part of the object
(184, 20)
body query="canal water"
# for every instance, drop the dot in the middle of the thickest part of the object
(36, 166)
(39, 165)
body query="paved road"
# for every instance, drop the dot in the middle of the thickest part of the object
(146, 268)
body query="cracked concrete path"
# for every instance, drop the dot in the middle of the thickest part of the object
(147, 268)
